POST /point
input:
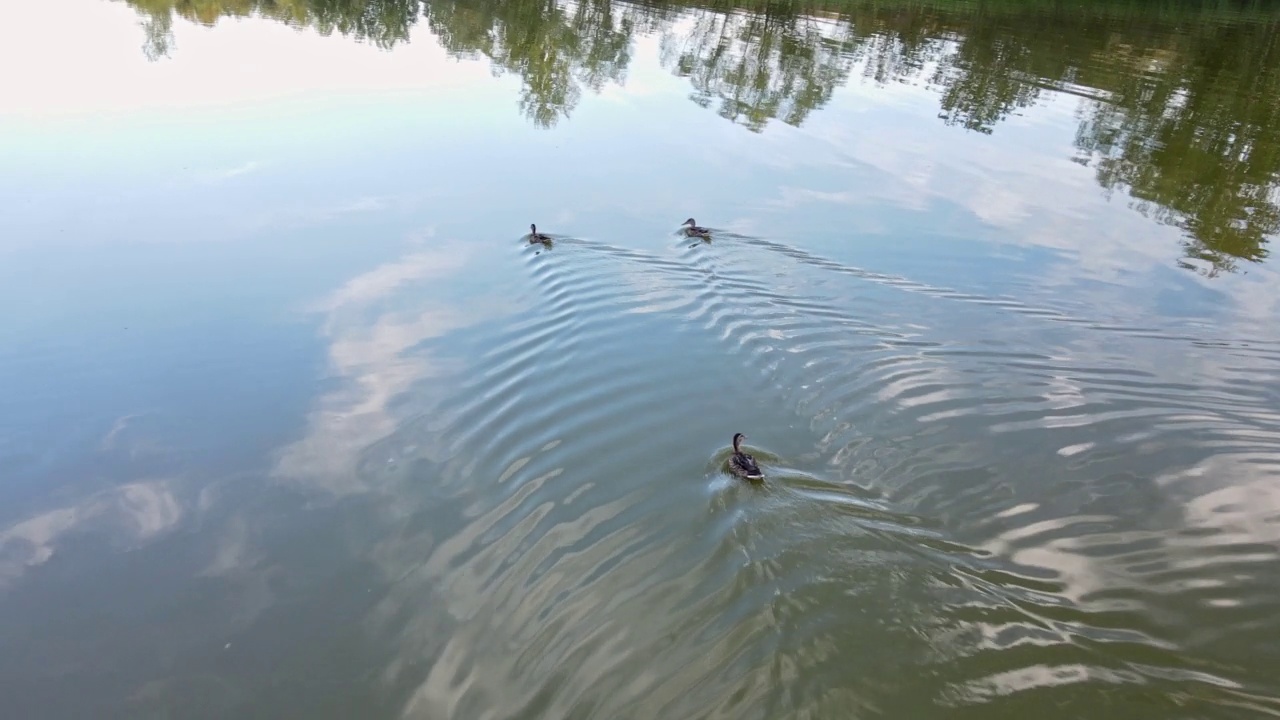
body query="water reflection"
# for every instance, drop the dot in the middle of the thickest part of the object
(1003, 484)
(381, 22)
(372, 370)
(557, 50)
(126, 516)
(1177, 105)
(760, 66)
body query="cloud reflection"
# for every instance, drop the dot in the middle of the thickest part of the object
(126, 516)
(376, 324)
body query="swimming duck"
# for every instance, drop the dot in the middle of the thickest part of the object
(742, 464)
(691, 229)
(537, 237)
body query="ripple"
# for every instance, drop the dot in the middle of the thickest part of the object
(1003, 518)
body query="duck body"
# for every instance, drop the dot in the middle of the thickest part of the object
(537, 237)
(742, 464)
(692, 230)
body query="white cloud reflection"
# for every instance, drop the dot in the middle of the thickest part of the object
(375, 323)
(127, 515)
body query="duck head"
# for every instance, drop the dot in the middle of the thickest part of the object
(737, 440)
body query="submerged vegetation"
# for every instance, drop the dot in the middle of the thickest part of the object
(1180, 101)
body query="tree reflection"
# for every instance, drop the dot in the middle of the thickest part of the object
(1180, 102)
(1187, 122)
(557, 50)
(1197, 144)
(985, 79)
(762, 65)
(381, 22)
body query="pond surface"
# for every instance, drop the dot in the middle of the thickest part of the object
(295, 421)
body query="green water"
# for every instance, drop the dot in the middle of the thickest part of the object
(295, 422)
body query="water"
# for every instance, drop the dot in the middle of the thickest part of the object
(294, 422)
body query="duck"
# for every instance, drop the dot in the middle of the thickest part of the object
(537, 237)
(742, 464)
(691, 229)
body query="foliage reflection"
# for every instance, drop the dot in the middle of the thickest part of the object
(1181, 99)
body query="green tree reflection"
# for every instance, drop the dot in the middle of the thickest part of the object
(1197, 143)
(557, 50)
(1180, 101)
(381, 22)
(758, 66)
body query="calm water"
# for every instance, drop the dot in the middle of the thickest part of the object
(294, 422)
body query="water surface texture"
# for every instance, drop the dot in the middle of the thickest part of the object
(296, 423)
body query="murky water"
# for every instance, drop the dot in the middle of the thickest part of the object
(295, 422)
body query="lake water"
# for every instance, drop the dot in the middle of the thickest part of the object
(296, 423)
